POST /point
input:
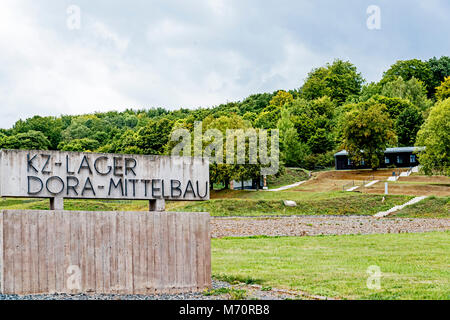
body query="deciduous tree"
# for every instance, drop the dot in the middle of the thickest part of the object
(338, 80)
(443, 91)
(31, 140)
(408, 69)
(435, 137)
(367, 131)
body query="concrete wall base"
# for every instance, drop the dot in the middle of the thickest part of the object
(104, 252)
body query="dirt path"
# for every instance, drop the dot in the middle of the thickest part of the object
(287, 187)
(321, 225)
(400, 207)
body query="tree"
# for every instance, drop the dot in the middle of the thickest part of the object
(131, 120)
(443, 91)
(79, 145)
(315, 85)
(293, 151)
(368, 91)
(309, 116)
(154, 136)
(321, 141)
(51, 127)
(223, 172)
(407, 125)
(408, 69)
(281, 98)
(367, 131)
(338, 80)
(269, 117)
(250, 116)
(435, 137)
(255, 103)
(31, 140)
(394, 106)
(344, 81)
(412, 90)
(440, 69)
(79, 128)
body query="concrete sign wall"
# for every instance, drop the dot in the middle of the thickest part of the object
(55, 174)
(104, 252)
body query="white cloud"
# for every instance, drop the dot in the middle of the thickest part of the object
(187, 54)
(103, 32)
(50, 76)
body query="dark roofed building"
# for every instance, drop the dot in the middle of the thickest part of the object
(400, 157)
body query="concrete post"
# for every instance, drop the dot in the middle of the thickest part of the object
(386, 191)
(158, 205)
(57, 203)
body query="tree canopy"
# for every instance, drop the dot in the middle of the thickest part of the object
(435, 137)
(338, 81)
(367, 131)
(333, 109)
(443, 91)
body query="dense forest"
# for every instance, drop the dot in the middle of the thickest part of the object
(334, 109)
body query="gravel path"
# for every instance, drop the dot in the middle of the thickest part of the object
(321, 225)
(251, 292)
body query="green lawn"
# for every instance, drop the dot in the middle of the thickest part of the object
(289, 176)
(264, 203)
(82, 205)
(413, 266)
(281, 195)
(432, 207)
(345, 204)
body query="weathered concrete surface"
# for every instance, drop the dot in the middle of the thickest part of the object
(55, 174)
(104, 252)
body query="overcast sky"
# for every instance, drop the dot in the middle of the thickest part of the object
(143, 54)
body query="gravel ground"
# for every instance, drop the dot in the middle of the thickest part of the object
(321, 225)
(251, 292)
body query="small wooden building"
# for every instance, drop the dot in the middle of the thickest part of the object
(400, 157)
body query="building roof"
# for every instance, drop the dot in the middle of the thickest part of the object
(388, 150)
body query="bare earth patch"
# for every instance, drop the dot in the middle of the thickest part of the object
(404, 187)
(334, 180)
(321, 225)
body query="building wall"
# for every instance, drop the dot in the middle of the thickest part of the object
(397, 159)
(248, 184)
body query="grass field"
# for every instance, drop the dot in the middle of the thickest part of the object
(236, 203)
(290, 176)
(82, 205)
(413, 266)
(257, 204)
(432, 207)
(356, 204)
